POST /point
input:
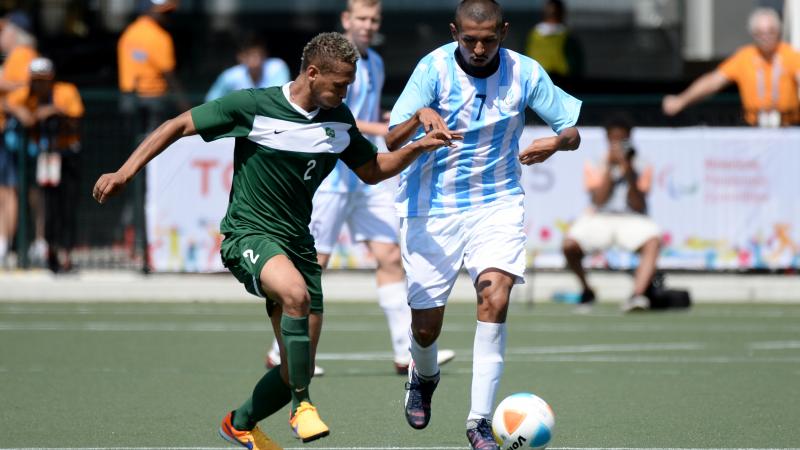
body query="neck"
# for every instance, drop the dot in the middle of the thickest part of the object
(300, 93)
(255, 75)
(768, 55)
(478, 72)
(362, 49)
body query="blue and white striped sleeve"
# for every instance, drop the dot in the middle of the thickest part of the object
(420, 92)
(558, 109)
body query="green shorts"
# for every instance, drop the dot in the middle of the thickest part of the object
(245, 255)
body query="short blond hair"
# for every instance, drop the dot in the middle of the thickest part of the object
(326, 49)
(367, 3)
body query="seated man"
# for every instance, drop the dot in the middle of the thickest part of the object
(617, 218)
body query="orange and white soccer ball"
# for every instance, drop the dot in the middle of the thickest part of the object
(523, 421)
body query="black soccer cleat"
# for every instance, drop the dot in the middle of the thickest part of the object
(480, 436)
(418, 398)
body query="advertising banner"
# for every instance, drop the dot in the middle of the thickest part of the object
(725, 199)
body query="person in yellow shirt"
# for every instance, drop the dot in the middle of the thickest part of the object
(767, 73)
(552, 45)
(18, 44)
(146, 64)
(50, 113)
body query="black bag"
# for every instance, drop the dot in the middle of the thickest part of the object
(669, 299)
(662, 298)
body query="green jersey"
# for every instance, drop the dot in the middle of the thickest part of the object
(281, 156)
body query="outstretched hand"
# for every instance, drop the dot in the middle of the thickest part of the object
(108, 185)
(539, 150)
(439, 138)
(430, 120)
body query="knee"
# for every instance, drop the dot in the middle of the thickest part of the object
(570, 247)
(425, 335)
(390, 259)
(493, 303)
(652, 245)
(295, 300)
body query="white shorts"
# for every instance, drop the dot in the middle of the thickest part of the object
(370, 216)
(435, 247)
(600, 231)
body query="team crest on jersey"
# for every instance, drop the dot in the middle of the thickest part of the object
(506, 98)
(330, 132)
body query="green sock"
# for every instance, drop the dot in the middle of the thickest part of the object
(298, 356)
(270, 395)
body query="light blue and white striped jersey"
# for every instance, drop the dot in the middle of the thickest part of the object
(364, 100)
(276, 73)
(490, 112)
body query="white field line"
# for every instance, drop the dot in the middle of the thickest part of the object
(775, 345)
(375, 326)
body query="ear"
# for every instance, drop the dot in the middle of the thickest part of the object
(454, 31)
(503, 31)
(345, 19)
(312, 71)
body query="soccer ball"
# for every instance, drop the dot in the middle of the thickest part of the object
(523, 421)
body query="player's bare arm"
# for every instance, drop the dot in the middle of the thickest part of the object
(110, 184)
(387, 165)
(425, 117)
(372, 128)
(543, 148)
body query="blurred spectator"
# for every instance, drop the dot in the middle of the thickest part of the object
(146, 59)
(255, 70)
(553, 46)
(617, 217)
(50, 111)
(18, 44)
(766, 72)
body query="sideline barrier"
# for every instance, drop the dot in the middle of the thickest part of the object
(726, 199)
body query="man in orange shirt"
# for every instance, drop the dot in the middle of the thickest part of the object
(146, 63)
(18, 44)
(766, 72)
(50, 112)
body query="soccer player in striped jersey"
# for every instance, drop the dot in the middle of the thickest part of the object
(464, 205)
(287, 140)
(368, 210)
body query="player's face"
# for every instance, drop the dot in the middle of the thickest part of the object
(329, 88)
(252, 58)
(478, 42)
(361, 23)
(766, 34)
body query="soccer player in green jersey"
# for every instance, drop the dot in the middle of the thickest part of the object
(287, 141)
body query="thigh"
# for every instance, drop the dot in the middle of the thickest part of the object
(432, 249)
(633, 230)
(374, 217)
(245, 257)
(593, 232)
(496, 240)
(327, 216)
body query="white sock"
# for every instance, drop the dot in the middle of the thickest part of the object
(393, 298)
(275, 351)
(424, 358)
(4, 248)
(487, 368)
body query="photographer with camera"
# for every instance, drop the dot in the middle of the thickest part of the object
(618, 216)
